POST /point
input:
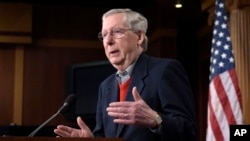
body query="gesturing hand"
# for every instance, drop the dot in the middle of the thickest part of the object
(66, 131)
(132, 113)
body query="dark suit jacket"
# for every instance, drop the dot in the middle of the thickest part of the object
(164, 86)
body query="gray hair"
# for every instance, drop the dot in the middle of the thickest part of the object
(135, 21)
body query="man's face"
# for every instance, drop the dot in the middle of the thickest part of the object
(121, 44)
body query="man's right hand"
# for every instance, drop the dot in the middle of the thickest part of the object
(66, 131)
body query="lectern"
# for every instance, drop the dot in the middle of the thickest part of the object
(56, 139)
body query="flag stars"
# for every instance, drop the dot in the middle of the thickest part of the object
(221, 52)
(221, 64)
(216, 52)
(218, 43)
(215, 32)
(212, 50)
(221, 5)
(211, 60)
(223, 26)
(214, 61)
(216, 22)
(221, 34)
(212, 70)
(225, 18)
(213, 41)
(226, 46)
(223, 55)
(231, 59)
(218, 13)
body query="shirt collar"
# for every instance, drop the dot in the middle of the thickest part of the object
(128, 70)
(123, 76)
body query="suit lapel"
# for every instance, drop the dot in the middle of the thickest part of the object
(138, 75)
(112, 95)
(113, 91)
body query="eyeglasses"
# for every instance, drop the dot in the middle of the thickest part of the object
(115, 33)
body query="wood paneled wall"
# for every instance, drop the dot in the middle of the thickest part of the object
(7, 55)
(33, 62)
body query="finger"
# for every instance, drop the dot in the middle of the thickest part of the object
(81, 124)
(120, 104)
(118, 115)
(63, 131)
(136, 94)
(85, 131)
(117, 109)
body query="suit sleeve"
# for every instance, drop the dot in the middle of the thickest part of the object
(178, 112)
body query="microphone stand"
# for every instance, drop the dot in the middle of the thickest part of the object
(42, 125)
(61, 110)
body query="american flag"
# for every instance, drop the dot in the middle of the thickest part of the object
(224, 100)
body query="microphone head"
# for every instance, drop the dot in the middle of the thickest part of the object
(69, 100)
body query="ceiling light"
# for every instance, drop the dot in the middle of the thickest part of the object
(178, 4)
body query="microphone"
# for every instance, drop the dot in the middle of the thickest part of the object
(61, 110)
